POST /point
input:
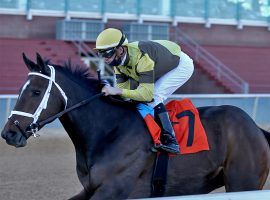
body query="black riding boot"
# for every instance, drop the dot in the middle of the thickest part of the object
(169, 142)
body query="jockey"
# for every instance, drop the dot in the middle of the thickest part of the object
(148, 72)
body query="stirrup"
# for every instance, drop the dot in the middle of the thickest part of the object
(155, 148)
(173, 150)
(161, 147)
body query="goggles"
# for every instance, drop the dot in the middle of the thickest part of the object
(107, 53)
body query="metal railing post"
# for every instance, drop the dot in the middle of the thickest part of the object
(102, 7)
(172, 8)
(206, 13)
(238, 15)
(245, 88)
(67, 9)
(138, 8)
(255, 108)
(268, 17)
(28, 10)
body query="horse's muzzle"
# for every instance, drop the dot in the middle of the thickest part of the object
(14, 138)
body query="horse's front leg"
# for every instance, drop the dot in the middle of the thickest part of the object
(118, 187)
(122, 179)
(114, 189)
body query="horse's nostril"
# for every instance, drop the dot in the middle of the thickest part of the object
(12, 134)
(8, 135)
(3, 135)
(14, 138)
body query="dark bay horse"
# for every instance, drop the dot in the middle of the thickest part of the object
(112, 143)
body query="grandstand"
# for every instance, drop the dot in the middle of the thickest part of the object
(252, 63)
(13, 71)
(225, 38)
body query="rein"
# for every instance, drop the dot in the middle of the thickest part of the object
(35, 127)
(86, 101)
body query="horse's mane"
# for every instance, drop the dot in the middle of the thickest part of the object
(79, 74)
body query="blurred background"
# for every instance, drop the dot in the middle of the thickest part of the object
(229, 41)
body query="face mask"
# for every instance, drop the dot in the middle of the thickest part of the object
(115, 62)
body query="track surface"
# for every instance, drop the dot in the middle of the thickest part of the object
(43, 170)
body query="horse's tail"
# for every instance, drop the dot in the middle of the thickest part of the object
(267, 135)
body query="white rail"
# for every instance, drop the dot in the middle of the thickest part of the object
(250, 195)
(203, 96)
(256, 105)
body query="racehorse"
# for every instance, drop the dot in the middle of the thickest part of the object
(113, 145)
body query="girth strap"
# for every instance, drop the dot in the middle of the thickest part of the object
(159, 178)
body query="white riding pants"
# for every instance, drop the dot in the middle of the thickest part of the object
(172, 80)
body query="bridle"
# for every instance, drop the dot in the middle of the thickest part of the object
(36, 125)
(43, 104)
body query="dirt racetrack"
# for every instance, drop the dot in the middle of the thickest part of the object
(43, 170)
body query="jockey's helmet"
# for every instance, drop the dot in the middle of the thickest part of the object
(109, 39)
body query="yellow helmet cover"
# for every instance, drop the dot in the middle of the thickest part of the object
(110, 38)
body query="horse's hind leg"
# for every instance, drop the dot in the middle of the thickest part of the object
(244, 173)
(83, 195)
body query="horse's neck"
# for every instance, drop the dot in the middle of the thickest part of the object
(97, 123)
(92, 128)
(91, 123)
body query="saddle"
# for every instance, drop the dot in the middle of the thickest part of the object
(189, 131)
(190, 135)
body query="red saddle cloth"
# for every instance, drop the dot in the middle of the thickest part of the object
(187, 125)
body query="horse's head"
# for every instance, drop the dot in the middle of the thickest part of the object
(40, 98)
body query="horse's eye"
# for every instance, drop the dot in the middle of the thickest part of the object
(35, 92)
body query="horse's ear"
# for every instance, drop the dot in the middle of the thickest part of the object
(30, 64)
(43, 67)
